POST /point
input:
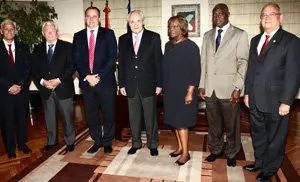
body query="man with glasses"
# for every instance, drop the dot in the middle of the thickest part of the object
(272, 82)
(224, 58)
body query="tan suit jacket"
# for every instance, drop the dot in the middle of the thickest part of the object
(224, 70)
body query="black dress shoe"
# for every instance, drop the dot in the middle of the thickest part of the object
(178, 163)
(251, 168)
(132, 150)
(11, 155)
(262, 177)
(70, 148)
(174, 155)
(231, 162)
(212, 157)
(47, 148)
(25, 149)
(94, 149)
(107, 149)
(154, 152)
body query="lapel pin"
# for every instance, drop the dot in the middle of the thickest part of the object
(274, 41)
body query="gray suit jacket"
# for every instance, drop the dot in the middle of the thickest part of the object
(224, 70)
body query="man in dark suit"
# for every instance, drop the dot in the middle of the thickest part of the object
(140, 79)
(53, 69)
(95, 51)
(272, 81)
(14, 94)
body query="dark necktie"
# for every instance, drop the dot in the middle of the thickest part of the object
(50, 52)
(265, 44)
(11, 56)
(218, 40)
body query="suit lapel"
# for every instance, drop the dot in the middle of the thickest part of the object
(144, 43)
(129, 44)
(227, 36)
(275, 39)
(56, 51)
(4, 51)
(212, 39)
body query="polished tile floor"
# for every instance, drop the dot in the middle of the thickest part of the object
(37, 139)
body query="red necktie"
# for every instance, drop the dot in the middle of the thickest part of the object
(265, 44)
(11, 56)
(136, 44)
(91, 50)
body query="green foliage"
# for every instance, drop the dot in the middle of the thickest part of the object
(29, 19)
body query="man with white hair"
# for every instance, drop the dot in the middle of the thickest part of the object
(53, 69)
(14, 94)
(140, 79)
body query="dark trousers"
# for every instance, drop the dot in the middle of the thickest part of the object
(269, 133)
(137, 106)
(14, 111)
(66, 109)
(219, 111)
(104, 98)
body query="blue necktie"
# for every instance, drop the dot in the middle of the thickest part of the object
(50, 52)
(218, 40)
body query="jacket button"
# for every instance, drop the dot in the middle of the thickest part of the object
(136, 67)
(49, 73)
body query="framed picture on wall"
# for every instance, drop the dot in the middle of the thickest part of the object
(192, 14)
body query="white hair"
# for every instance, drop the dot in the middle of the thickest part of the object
(49, 23)
(9, 21)
(136, 12)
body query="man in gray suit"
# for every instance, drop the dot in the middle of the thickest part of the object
(224, 59)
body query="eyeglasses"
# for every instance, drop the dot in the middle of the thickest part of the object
(269, 15)
(173, 27)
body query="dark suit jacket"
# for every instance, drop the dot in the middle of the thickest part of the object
(17, 74)
(144, 71)
(105, 57)
(61, 67)
(274, 76)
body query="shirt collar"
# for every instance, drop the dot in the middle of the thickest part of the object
(139, 34)
(95, 29)
(48, 43)
(6, 43)
(271, 34)
(224, 28)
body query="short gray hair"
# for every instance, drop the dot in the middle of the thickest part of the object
(50, 23)
(275, 5)
(9, 21)
(136, 12)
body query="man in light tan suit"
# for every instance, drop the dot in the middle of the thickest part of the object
(225, 51)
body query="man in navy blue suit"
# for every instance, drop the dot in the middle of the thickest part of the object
(14, 94)
(95, 51)
(272, 82)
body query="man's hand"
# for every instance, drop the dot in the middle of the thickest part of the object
(284, 109)
(188, 98)
(123, 91)
(14, 90)
(93, 79)
(246, 100)
(235, 97)
(202, 93)
(52, 84)
(158, 90)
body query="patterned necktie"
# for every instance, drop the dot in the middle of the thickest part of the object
(50, 52)
(91, 50)
(136, 44)
(218, 40)
(265, 44)
(11, 56)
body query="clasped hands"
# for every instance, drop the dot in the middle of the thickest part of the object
(93, 79)
(51, 84)
(14, 90)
